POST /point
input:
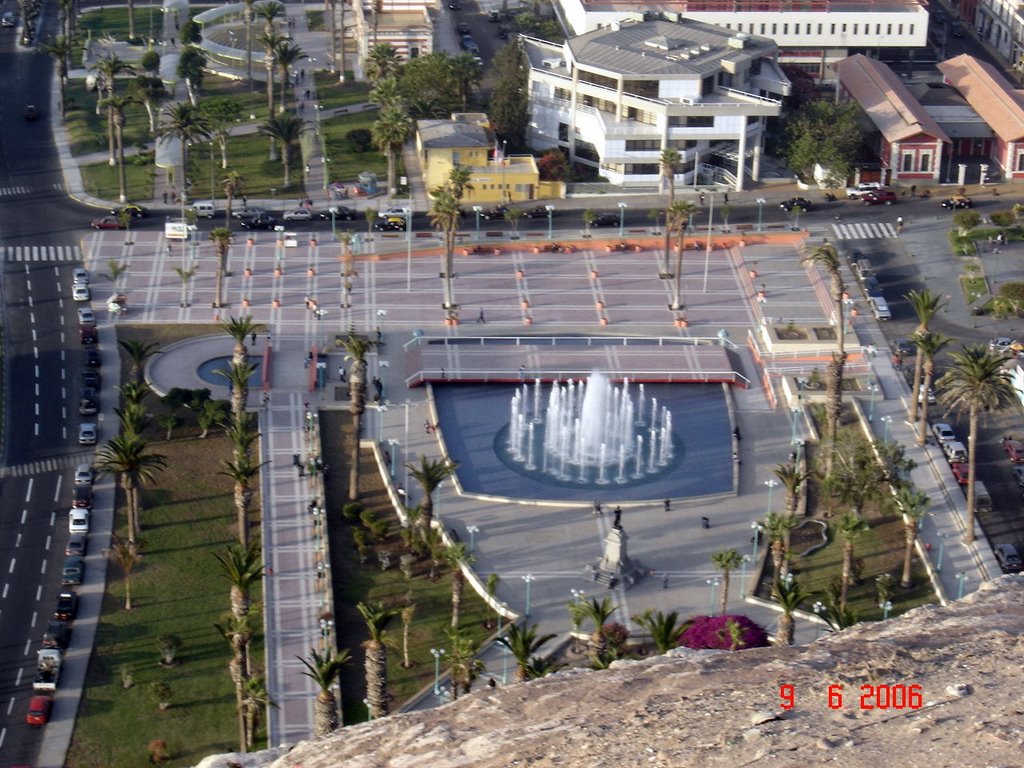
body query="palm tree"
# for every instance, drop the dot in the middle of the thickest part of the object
(914, 506)
(126, 555)
(928, 347)
(851, 527)
(239, 631)
(467, 73)
(463, 664)
(286, 54)
(270, 40)
(458, 556)
(243, 567)
(238, 379)
(138, 353)
(242, 469)
(325, 670)
(134, 392)
(221, 238)
(599, 613)
(378, 698)
(728, 560)
(382, 63)
(459, 177)
(255, 699)
(430, 473)
(128, 456)
(234, 186)
(187, 125)
(677, 217)
(390, 131)
(117, 110)
(445, 215)
(976, 381)
(827, 256)
(778, 529)
(387, 93)
(789, 595)
(523, 644)
(664, 629)
(669, 160)
(108, 69)
(287, 129)
(407, 613)
(61, 48)
(240, 329)
(792, 478)
(248, 15)
(356, 348)
(926, 305)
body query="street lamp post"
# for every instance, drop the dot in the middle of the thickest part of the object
(756, 527)
(743, 576)
(324, 161)
(713, 583)
(886, 420)
(760, 211)
(962, 579)
(333, 210)
(819, 608)
(873, 389)
(796, 416)
(393, 445)
(942, 551)
(772, 485)
(529, 579)
(504, 194)
(622, 218)
(886, 607)
(477, 210)
(472, 530)
(437, 653)
(551, 211)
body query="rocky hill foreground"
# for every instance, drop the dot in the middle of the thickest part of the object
(710, 709)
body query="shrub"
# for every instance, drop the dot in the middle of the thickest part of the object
(150, 61)
(190, 33)
(360, 139)
(169, 646)
(351, 511)
(726, 633)
(161, 693)
(158, 752)
(368, 518)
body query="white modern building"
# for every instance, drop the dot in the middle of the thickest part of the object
(812, 34)
(615, 98)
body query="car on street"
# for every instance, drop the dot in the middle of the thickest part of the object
(78, 544)
(1018, 475)
(454, 5)
(91, 379)
(57, 634)
(86, 318)
(67, 606)
(497, 212)
(88, 334)
(134, 211)
(390, 224)
(107, 222)
(943, 432)
(538, 212)
(92, 357)
(81, 497)
(494, 16)
(84, 474)
(879, 197)
(39, 709)
(903, 346)
(462, 28)
(298, 214)
(31, 113)
(1008, 558)
(80, 276)
(88, 401)
(957, 29)
(87, 434)
(73, 571)
(863, 269)
(855, 193)
(873, 288)
(341, 213)
(1003, 344)
(957, 201)
(400, 211)
(80, 292)
(930, 395)
(78, 521)
(248, 212)
(260, 221)
(605, 219)
(796, 202)
(1014, 450)
(939, 15)
(9, 19)
(959, 469)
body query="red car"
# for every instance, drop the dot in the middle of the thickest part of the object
(107, 222)
(959, 471)
(1014, 450)
(39, 708)
(886, 196)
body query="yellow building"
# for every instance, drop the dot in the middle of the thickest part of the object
(467, 140)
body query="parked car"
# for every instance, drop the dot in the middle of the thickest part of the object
(1008, 558)
(82, 497)
(92, 357)
(930, 395)
(939, 15)
(341, 213)
(57, 635)
(260, 221)
(80, 276)
(298, 214)
(390, 224)
(903, 346)
(1018, 475)
(73, 571)
(39, 709)
(91, 379)
(87, 434)
(462, 28)
(88, 401)
(78, 521)
(67, 606)
(31, 112)
(863, 269)
(957, 29)
(606, 219)
(960, 471)
(80, 292)
(1014, 450)
(958, 201)
(879, 197)
(84, 474)
(88, 335)
(955, 451)
(78, 544)
(86, 317)
(9, 19)
(497, 212)
(855, 193)
(943, 432)
(1003, 344)
(248, 212)
(401, 211)
(107, 222)
(538, 212)
(796, 202)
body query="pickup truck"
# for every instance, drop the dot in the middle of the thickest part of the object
(855, 193)
(48, 663)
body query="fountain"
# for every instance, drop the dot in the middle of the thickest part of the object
(588, 431)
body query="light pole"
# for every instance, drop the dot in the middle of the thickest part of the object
(393, 445)
(713, 583)
(405, 446)
(819, 608)
(962, 579)
(384, 365)
(477, 210)
(408, 238)
(942, 551)
(333, 210)
(873, 389)
(796, 416)
(772, 485)
(472, 530)
(551, 212)
(886, 607)
(504, 193)
(886, 420)
(760, 211)
(437, 653)
(622, 218)
(324, 161)
(529, 579)
(213, 193)
(577, 596)
(756, 527)
(743, 576)
(369, 712)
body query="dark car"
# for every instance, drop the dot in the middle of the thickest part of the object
(539, 212)
(92, 357)
(31, 113)
(91, 379)
(1009, 559)
(957, 29)
(503, 32)
(903, 346)
(455, 5)
(341, 213)
(873, 288)
(958, 201)
(879, 197)
(78, 545)
(89, 335)
(939, 15)
(260, 221)
(57, 635)
(795, 202)
(497, 212)
(82, 498)
(390, 224)
(494, 16)
(73, 571)
(88, 401)
(248, 212)
(67, 606)
(39, 708)
(462, 28)
(605, 219)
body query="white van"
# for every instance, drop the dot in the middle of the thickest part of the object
(982, 501)
(880, 308)
(955, 451)
(205, 208)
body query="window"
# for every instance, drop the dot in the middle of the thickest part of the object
(926, 162)
(908, 162)
(899, 29)
(834, 29)
(586, 151)
(643, 145)
(725, 79)
(844, 29)
(456, 155)
(563, 93)
(855, 26)
(1020, 161)
(762, 29)
(563, 132)
(643, 169)
(888, 29)
(785, 29)
(707, 121)
(820, 28)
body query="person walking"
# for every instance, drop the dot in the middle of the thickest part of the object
(480, 318)
(668, 505)
(341, 373)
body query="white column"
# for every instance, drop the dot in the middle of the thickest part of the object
(573, 101)
(755, 165)
(741, 161)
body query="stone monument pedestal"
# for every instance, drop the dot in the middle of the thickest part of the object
(616, 568)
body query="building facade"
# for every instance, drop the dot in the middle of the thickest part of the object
(614, 98)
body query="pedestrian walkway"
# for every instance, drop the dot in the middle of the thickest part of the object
(864, 230)
(41, 253)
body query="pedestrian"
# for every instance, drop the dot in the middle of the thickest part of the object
(165, 197)
(173, 43)
(913, 190)
(174, 196)
(702, 198)
(705, 523)
(252, 339)
(725, 198)
(307, 169)
(245, 201)
(597, 508)
(480, 318)
(522, 373)
(492, 683)
(664, 580)
(736, 456)
(302, 72)
(668, 505)
(305, 93)
(618, 518)
(341, 373)
(302, 106)
(736, 434)
(268, 338)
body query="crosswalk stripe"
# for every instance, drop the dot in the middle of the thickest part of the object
(863, 230)
(47, 465)
(16, 190)
(42, 253)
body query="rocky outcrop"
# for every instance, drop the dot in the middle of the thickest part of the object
(712, 709)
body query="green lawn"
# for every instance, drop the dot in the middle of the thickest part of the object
(315, 21)
(88, 130)
(100, 179)
(252, 102)
(248, 155)
(346, 163)
(333, 95)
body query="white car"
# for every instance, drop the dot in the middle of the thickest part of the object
(84, 474)
(943, 432)
(80, 292)
(81, 276)
(854, 193)
(1001, 344)
(400, 211)
(86, 317)
(299, 214)
(87, 434)
(78, 521)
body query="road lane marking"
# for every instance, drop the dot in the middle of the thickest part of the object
(28, 490)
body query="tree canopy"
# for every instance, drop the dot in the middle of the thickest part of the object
(510, 107)
(824, 133)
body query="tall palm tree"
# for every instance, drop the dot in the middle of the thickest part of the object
(378, 698)
(827, 256)
(286, 129)
(117, 110)
(466, 73)
(186, 124)
(669, 160)
(408, 611)
(458, 182)
(324, 670)
(269, 11)
(458, 556)
(240, 329)
(68, 16)
(851, 527)
(242, 469)
(778, 529)
(665, 629)
(445, 215)
(914, 506)
(792, 479)
(356, 348)
(108, 69)
(134, 392)
(599, 613)
(131, 20)
(928, 347)
(270, 40)
(221, 238)
(128, 457)
(789, 595)
(239, 631)
(60, 48)
(390, 131)
(138, 353)
(126, 555)
(382, 62)
(238, 377)
(286, 54)
(976, 381)
(430, 473)
(248, 15)
(523, 643)
(243, 567)
(677, 217)
(728, 560)
(925, 305)
(234, 186)
(463, 664)
(255, 699)
(387, 93)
